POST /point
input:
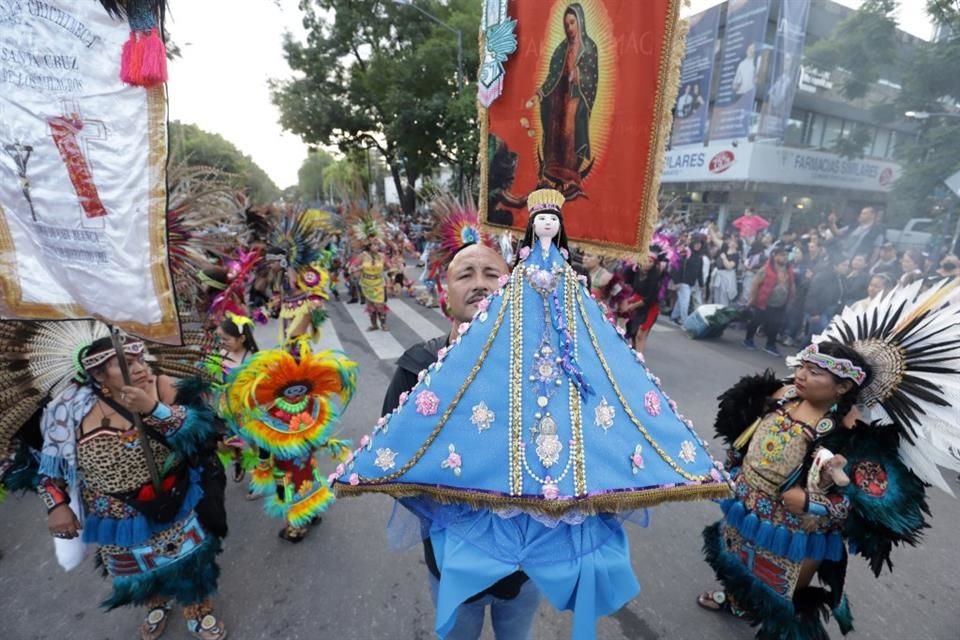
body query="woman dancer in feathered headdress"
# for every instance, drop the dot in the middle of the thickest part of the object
(370, 265)
(817, 478)
(157, 536)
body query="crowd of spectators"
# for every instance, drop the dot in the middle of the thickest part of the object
(790, 287)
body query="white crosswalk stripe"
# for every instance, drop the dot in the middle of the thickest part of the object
(328, 337)
(384, 345)
(413, 319)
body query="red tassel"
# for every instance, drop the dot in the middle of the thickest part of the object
(126, 58)
(153, 71)
(136, 60)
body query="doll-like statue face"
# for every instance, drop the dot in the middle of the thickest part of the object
(546, 225)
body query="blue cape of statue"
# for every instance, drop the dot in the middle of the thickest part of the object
(539, 404)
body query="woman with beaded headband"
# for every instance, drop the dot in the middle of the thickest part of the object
(158, 544)
(834, 461)
(568, 434)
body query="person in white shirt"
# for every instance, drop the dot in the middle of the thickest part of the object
(744, 80)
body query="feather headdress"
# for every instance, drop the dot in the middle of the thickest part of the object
(38, 360)
(204, 216)
(296, 234)
(456, 225)
(366, 225)
(911, 340)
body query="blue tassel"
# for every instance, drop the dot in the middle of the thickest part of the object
(764, 535)
(749, 527)
(726, 504)
(834, 547)
(736, 514)
(798, 546)
(816, 546)
(781, 541)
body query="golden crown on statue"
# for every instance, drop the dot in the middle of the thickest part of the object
(545, 199)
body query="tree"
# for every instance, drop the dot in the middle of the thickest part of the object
(867, 47)
(194, 146)
(373, 73)
(310, 175)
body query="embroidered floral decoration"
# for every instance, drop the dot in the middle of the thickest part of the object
(386, 459)
(482, 417)
(604, 414)
(636, 459)
(651, 402)
(452, 461)
(427, 403)
(688, 452)
(550, 490)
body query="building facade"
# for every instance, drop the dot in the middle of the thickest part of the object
(796, 176)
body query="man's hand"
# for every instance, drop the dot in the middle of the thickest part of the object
(795, 500)
(62, 523)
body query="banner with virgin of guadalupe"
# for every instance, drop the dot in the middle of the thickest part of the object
(585, 109)
(82, 174)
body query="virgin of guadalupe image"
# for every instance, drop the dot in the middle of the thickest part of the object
(566, 102)
(533, 438)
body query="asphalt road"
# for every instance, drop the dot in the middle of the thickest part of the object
(343, 582)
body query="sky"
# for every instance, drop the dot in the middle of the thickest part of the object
(229, 54)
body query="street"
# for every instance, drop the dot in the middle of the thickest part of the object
(344, 583)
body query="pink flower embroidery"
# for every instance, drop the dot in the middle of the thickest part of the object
(364, 441)
(651, 402)
(550, 490)
(503, 280)
(452, 461)
(483, 305)
(341, 470)
(354, 479)
(427, 403)
(636, 459)
(403, 398)
(462, 329)
(331, 478)
(442, 353)
(564, 253)
(524, 253)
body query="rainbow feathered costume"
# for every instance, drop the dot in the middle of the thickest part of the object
(288, 408)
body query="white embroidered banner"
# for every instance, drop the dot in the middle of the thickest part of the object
(82, 173)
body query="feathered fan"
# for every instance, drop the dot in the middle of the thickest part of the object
(911, 339)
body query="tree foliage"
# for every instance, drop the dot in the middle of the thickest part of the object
(191, 144)
(373, 73)
(866, 45)
(310, 180)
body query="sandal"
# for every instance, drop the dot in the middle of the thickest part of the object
(718, 601)
(239, 473)
(207, 627)
(292, 539)
(155, 623)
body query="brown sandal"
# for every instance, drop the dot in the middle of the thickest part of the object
(155, 623)
(718, 601)
(207, 627)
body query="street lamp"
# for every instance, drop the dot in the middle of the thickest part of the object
(456, 32)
